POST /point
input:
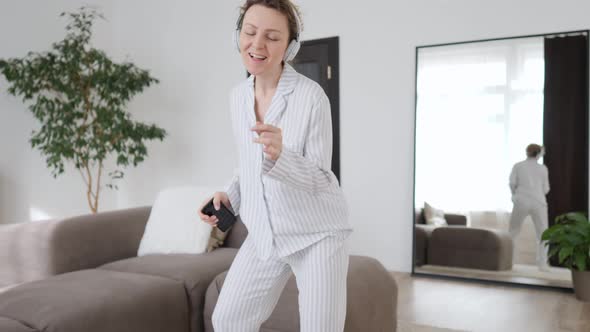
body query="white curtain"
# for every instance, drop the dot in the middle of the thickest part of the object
(478, 106)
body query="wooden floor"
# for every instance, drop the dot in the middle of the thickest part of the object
(483, 307)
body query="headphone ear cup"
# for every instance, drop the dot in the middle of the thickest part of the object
(292, 50)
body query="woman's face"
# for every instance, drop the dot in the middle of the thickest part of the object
(263, 39)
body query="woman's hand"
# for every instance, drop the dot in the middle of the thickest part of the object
(218, 197)
(272, 139)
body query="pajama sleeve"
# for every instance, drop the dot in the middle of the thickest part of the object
(513, 180)
(233, 192)
(310, 170)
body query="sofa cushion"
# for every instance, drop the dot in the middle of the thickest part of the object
(451, 218)
(9, 325)
(196, 271)
(434, 216)
(98, 301)
(174, 226)
(371, 305)
(467, 238)
(237, 235)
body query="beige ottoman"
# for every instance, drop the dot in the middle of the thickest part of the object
(475, 248)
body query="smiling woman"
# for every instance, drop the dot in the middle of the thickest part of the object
(284, 190)
(265, 38)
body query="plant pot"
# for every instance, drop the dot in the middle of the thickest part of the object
(581, 280)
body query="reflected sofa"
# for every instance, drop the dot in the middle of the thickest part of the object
(458, 245)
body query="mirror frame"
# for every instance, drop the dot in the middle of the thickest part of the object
(468, 279)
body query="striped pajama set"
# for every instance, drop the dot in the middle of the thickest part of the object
(529, 184)
(293, 208)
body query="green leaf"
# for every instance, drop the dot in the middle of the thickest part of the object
(548, 233)
(564, 253)
(580, 260)
(583, 229)
(553, 251)
(577, 216)
(574, 239)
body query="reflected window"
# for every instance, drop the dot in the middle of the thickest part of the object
(478, 105)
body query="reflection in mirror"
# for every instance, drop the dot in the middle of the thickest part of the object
(501, 150)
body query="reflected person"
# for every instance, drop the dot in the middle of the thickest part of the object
(529, 183)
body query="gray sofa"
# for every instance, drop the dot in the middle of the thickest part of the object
(83, 274)
(423, 232)
(457, 245)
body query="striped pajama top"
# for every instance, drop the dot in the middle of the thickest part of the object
(295, 201)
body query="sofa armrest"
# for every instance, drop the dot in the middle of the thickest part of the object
(456, 219)
(421, 235)
(35, 250)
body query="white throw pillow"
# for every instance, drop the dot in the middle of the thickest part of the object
(174, 225)
(434, 216)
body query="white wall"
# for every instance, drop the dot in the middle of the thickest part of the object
(190, 51)
(187, 45)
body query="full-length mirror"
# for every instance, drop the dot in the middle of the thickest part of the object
(501, 150)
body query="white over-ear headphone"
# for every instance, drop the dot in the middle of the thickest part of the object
(293, 47)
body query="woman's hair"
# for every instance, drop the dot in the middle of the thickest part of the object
(285, 7)
(533, 150)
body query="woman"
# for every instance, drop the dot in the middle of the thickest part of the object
(529, 183)
(284, 190)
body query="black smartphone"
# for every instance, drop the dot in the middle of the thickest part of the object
(224, 215)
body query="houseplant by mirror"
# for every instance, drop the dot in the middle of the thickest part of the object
(569, 240)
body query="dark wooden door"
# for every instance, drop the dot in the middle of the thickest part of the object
(318, 60)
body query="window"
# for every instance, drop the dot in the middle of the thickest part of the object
(478, 106)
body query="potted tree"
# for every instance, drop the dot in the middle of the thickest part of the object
(79, 95)
(569, 240)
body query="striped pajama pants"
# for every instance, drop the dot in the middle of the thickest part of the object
(538, 212)
(253, 286)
